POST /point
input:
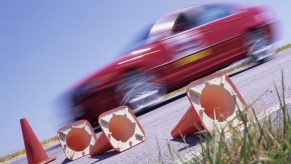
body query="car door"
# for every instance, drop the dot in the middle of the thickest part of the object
(226, 30)
(189, 48)
(210, 42)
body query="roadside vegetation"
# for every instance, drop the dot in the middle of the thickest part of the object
(283, 48)
(256, 141)
(16, 154)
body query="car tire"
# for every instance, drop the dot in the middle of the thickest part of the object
(260, 47)
(139, 90)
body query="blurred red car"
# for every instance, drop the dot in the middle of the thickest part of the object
(176, 49)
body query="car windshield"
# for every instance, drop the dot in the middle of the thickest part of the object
(152, 32)
(139, 40)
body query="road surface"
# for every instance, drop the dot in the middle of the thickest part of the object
(158, 123)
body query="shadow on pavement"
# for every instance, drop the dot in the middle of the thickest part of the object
(103, 156)
(244, 70)
(66, 161)
(149, 109)
(190, 140)
(53, 147)
(98, 157)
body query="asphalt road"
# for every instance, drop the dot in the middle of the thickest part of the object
(158, 123)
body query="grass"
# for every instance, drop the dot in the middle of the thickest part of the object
(256, 141)
(287, 46)
(16, 154)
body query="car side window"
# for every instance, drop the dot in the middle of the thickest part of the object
(181, 24)
(208, 13)
(213, 13)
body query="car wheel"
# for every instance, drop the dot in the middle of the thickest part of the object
(140, 90)
(259, 46)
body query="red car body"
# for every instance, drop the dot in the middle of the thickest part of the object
(178, 48)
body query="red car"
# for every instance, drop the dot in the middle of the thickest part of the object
(176, 49)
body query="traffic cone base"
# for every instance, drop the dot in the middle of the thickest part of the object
(120, 128)
(33, 148)
(77, 139)
(48, 160)
(215, 104)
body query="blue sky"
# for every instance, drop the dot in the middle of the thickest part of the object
(46, 46)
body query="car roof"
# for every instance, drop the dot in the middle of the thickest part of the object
(162, 26)
(164, 23)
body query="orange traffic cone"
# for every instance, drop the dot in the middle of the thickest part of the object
(120, 131)
(215, 104)
(34, 151)
(102, 145)
(77, 139)
(186, 125)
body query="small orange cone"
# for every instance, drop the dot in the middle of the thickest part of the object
(187, 125)
(77, 139)
(102, 145)
(34, 151)
(215, 104)
(120, 131)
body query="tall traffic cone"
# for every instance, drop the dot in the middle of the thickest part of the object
(34, 151)
(120, 131)
(215, 104)
(77, 139)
